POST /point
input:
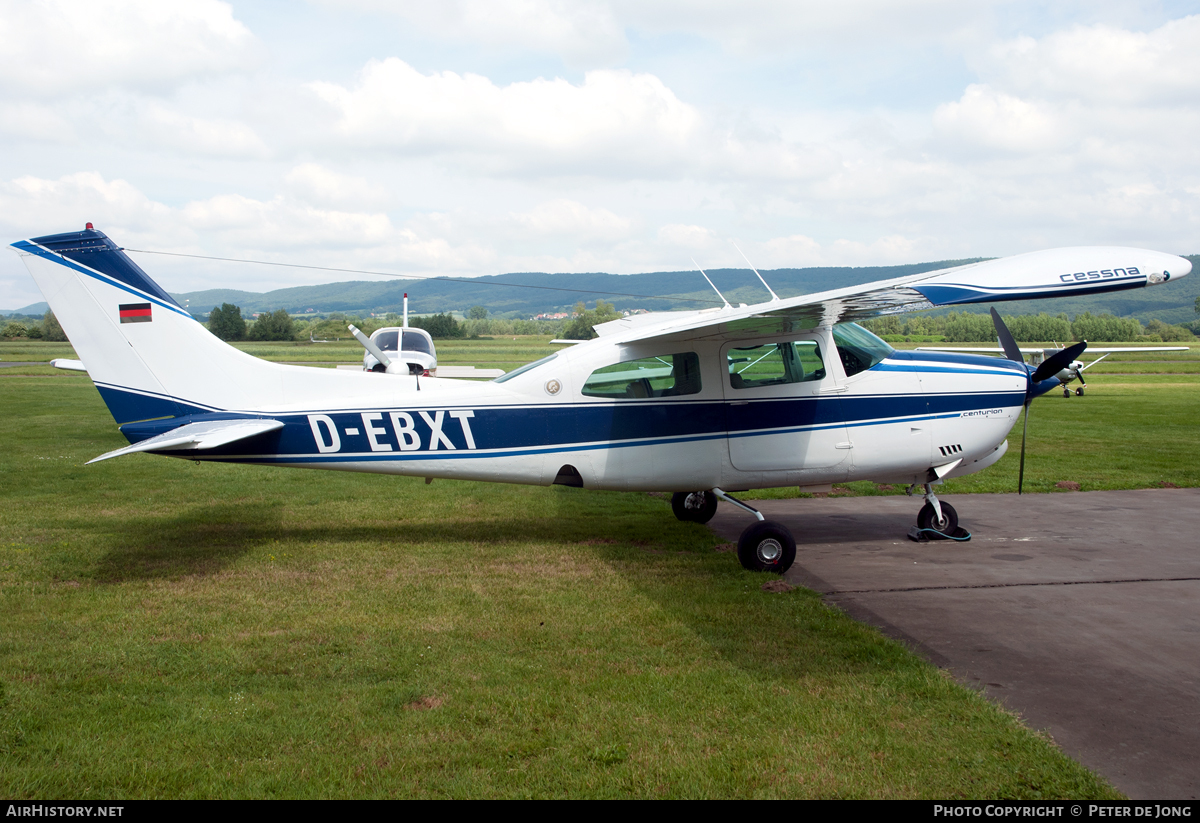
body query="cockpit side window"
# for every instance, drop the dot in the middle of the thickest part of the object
(858, 348)
(775, 364)
(670, 375)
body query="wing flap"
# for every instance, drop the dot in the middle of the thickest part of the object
(208, 434)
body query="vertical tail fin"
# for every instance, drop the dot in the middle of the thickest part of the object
(148, 357)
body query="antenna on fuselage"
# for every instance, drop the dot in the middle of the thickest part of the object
(714, 288)
(774, 296)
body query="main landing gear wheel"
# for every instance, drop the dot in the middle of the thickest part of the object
(694, 507)
(1079, 392)
(767, 547)
(927, 519)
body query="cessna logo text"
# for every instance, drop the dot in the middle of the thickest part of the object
(397, 431)
(1103, 274)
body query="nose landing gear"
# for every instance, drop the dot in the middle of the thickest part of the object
(936, 520)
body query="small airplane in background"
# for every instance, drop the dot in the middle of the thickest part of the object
(405, 350)
(693, 403)
(1073, 371)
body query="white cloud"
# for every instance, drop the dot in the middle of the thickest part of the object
(166, 128)
(322, 186)
(798, 250)
(586, 33)
(67, 47)
(1104, 65)
(592, 33)
(35, 121)
(282, 222)
(984, 116)
(35, 206)
(751, 26)
(573, 220)
(616, 120)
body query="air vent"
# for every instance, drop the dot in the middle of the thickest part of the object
(949, 450)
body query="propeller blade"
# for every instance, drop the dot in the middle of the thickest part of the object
(1058, 361)
(1011, 350)
(1024, 432)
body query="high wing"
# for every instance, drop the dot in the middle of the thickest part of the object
(208, 434)
(1091, 349)
(1068, 272)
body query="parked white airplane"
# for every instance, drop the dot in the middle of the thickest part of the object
(411, 351)
(1073, 371)
(787, 392)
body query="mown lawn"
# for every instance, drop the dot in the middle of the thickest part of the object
(181, 630)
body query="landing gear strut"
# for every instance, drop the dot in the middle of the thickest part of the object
(765, 546)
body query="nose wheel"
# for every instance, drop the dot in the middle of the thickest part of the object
(937, 520)
(928, 518)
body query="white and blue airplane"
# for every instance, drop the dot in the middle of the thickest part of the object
(787, 392)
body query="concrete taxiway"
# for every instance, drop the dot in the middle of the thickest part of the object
(1080, 611)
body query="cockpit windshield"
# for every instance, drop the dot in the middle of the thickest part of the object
(525, 368)
(858, 348)
(388, 340)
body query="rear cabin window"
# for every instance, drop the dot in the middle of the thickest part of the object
(775, 364)
(670, 375)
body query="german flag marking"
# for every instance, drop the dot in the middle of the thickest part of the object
(135, 313)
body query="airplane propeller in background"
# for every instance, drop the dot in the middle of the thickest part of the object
(1049, 367)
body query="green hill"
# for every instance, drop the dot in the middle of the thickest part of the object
(528, 293)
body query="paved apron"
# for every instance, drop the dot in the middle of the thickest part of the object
(1080, 610)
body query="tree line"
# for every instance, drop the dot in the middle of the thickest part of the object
(227, 323)
(970, 327)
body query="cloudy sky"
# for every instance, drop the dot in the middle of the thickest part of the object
(470, 137)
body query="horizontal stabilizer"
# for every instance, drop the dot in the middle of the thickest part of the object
(68, 365)
(206, 435)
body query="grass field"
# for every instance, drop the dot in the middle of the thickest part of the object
(181, 630)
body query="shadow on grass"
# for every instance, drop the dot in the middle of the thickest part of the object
(204, 539)
(200, 541)
(785, 636)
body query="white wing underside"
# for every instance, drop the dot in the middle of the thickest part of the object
(207, 435)
(1090, 349)
(1052, 273)
(783, 316)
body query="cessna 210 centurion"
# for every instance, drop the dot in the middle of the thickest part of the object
(787, 392)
